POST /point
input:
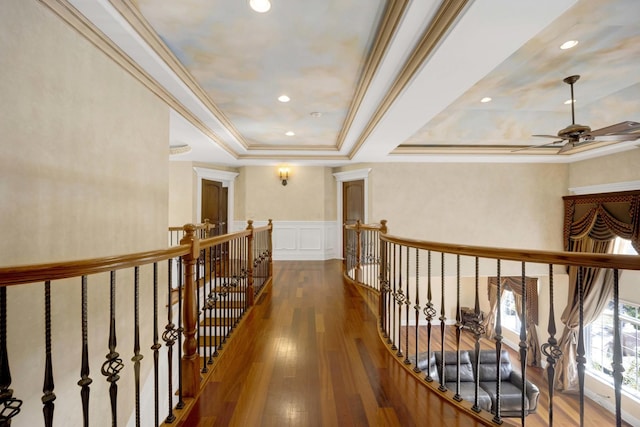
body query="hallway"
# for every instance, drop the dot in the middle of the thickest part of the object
(309, 354)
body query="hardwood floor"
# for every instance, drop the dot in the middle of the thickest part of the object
(309, 354)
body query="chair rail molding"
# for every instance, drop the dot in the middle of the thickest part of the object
(302, 240)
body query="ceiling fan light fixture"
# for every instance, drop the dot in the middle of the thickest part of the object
(260, 6)
(568, 44)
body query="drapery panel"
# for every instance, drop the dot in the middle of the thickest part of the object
(514, 284)
(591, 223)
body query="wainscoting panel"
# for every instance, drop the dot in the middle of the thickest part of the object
(301, 240)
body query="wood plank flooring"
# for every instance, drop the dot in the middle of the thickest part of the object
(309, 354)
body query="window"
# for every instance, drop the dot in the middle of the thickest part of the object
(600, 337)
(508, 314)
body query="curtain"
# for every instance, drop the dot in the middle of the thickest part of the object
(514, 284)
(490, 320)
(591, 223)
(533, 346)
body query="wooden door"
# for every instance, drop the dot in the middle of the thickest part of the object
(352, 205)
(214, 206)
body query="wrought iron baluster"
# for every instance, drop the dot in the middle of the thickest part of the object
(113, 365)
(618, 369)
(156, 347)
(443, 319)
(216, 308)
(417, 309)
(10, 406)
(478, 330)
(551, 349)
(47, 388)
(430, 314)
(199, 310)
(407, 303)
(580, 353)
(169, 336)
(395, 298)
(180, 331)
(400, 300)
(523, 347)
(457, 396)
(85, 380)
(202, 340)
(137, 357)
(498, 338)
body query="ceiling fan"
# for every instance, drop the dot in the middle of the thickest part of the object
(576, 135)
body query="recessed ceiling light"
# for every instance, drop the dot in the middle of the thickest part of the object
(315, 114)
(260, 6)
(485, 99)
(568, 44)
(284, 98)
(290, 133)
(569, 101)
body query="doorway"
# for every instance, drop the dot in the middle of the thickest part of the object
(214, 206)
(352, 206)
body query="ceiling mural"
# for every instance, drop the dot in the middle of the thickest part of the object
(313, 52)
(527, 91)
(382, 80)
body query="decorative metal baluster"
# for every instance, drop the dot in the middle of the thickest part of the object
(156, 347)
(400, 300)
(169, 336)
(580, 354)
(216, 325)
(417, 308)
(85, 380)
(430, 314)
(180, 330)
(113, 365)
(210, 305)
(384, 290)
(47, 388)
(407, 303)
(478, 330)
(551, 349)
(202, 340)
(137, 357)
(395, 298)
(618, 369)
(523, 346)
(443, 328)
(9, 405)
(199, 310)
(457, 396)
(498, 330)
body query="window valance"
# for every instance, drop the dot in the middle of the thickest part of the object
(602, 217)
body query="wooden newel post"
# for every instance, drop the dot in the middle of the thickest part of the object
(190, 359)
(358, 272)
(250, 261)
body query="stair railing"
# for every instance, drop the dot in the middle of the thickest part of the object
(127, 295)
(421, 292)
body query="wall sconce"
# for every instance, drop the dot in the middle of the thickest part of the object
(284, 175)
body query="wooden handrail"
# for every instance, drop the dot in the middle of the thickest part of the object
(216, 240)
(627, 262)
(20, 275)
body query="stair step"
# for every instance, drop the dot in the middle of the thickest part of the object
(203, 341)
(216, 322)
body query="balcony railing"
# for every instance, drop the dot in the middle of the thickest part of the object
(174, 326)
(422, 290)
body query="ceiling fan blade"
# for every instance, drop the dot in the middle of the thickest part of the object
(536, 146)
(612, 137)
(566, 147)
(619, 128)
(546, 136)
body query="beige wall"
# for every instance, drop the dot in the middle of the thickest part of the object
(84, 163)
(478, 204)
(182, 181)
(620, 167)
(309, 195)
